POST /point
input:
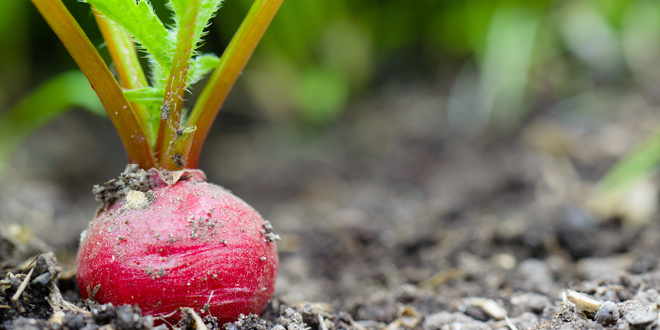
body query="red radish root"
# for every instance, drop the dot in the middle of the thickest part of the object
(188, 244)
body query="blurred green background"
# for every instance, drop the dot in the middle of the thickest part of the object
(498, 62)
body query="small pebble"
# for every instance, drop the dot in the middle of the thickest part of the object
(641, 318)
(476, 313)
(607, 314)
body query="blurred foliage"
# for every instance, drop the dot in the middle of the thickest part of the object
(59, 94)
(316, 55)
(14, 63)
(506, 57)
(511, 52)
(641, 162)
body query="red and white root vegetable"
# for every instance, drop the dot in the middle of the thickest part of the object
(189, 244)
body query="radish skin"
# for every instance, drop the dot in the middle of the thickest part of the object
(192, 244)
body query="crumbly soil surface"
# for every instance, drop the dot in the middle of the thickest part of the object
(388, 220)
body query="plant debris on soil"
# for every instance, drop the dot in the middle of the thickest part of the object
(388, 223)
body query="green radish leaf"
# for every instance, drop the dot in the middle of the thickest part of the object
(145, 95)
(206, 12)
(141, 22)
(202, 65)
(209, 8)
(178, 7)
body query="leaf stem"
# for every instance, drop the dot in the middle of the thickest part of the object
(175, 87)
(92, 65)
(224, 77)
(123, 53)
(179, 149)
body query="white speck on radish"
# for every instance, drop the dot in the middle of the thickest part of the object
(136, 200)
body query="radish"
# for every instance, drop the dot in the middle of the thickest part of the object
(190, 244)
(165, 239)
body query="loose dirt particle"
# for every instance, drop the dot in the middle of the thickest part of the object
(178, 160)
(165, 111)
(268, 232)
(137, 200)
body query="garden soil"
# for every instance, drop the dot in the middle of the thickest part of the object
(389, 220)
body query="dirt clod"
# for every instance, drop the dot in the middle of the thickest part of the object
(130, 317)
(178, 160)
(46, 269)
(249, 322)
(104, 314)
(268, 232)
(291, 320)
(133, 178)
